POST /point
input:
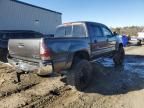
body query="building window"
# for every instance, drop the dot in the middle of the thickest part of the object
(36, 22)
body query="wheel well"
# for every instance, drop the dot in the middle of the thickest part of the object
(80, 55)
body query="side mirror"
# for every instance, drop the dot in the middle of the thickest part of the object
(115, 34)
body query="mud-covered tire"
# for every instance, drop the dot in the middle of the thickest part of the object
(80, 75)
(3, 55)
(119, 56)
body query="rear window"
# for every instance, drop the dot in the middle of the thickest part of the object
(71, 31)
(65, 31)
(60, 32)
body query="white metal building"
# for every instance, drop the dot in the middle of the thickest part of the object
(17, 15)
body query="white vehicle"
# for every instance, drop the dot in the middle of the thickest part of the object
(140, 37)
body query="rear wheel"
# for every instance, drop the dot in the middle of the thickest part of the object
(80, 75)
(119, 56)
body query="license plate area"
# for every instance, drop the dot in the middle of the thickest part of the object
(26, 66)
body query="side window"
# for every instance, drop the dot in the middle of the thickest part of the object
(95, 31)
(106, 31)
(79, 31)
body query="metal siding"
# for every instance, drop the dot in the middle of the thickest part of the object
(16, 16)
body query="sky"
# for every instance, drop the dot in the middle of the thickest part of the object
(114, 13)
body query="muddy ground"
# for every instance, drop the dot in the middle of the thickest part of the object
(120, 87)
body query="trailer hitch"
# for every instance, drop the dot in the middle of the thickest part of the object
(18, 75)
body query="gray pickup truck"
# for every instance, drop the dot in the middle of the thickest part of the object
(72, 48)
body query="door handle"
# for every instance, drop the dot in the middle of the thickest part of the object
(20, 45)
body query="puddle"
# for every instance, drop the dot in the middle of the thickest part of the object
(117, 80)
(137, 68)
(106, 62)
(131, 65)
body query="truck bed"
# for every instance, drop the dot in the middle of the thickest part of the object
(61, 50)
(25, 48)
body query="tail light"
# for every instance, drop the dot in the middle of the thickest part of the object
(44, 51)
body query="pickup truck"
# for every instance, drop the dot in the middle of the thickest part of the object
(72, 48)
(5, 35)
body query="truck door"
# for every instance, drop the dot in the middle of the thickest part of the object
(98, 40)
(111, 39)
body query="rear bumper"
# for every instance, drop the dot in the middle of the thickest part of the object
(41, 67)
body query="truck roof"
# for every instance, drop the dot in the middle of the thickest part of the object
(86, 22)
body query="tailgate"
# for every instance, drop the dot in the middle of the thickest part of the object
(25, 49)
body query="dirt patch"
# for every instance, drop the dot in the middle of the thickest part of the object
(120, 87)
(8, 77)
(31, 94)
